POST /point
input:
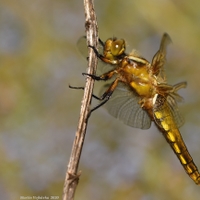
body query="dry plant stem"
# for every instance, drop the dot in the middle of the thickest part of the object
(72, 175)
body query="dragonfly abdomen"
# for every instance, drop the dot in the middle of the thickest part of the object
(176, 142)
(165, 123)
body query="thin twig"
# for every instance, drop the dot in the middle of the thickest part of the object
(72, 174)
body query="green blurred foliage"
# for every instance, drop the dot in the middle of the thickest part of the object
(39, 113)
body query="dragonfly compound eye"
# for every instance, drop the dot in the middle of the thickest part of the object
(118, 47)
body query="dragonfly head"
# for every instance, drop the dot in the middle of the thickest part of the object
(114, 47)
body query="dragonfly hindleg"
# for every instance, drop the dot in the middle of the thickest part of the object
(82, 88)
(107, 94)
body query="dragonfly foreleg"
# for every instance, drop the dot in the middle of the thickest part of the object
(96, 52)
(105, 58)
(101, 42)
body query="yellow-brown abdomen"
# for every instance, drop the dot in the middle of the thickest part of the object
(165, 122)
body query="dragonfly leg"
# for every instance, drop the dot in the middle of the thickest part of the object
(97, 78)
(104, 98)
(104, 58)
(96, 52)
(76, 88)
(106, 95)
(103, 77)
(82, 88)
(101, 42)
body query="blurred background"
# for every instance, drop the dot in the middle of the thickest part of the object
(39, 113)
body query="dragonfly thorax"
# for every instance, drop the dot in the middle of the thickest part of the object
(137, 75)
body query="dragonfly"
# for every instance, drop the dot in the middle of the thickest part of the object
(140, 95)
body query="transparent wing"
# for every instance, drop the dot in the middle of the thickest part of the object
(168, 109)
(82, 46)
(177, 116)
(83, 49)
(160, 57)
(123, 105)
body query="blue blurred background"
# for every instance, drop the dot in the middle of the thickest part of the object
(39, 113)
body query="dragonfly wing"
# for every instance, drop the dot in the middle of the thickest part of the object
(82, 46)
(160, 57)
(168, 112)
(123, 105)
(177, 116)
